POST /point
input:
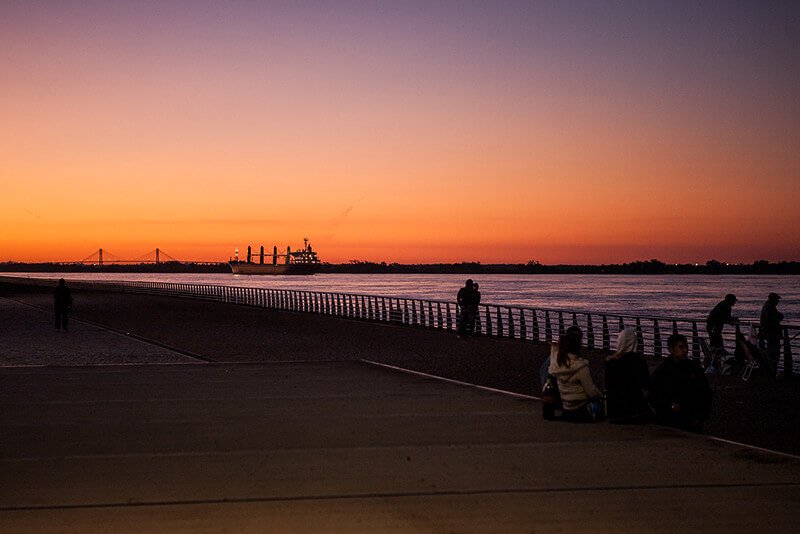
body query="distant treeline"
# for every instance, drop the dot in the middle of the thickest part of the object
(712, 267)
(534, 267)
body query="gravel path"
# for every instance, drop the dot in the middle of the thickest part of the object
(28, 338)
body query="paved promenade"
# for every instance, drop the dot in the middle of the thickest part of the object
(335, 446)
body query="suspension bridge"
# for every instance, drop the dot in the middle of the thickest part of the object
(155, 256)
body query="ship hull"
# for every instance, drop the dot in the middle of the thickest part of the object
(243, 267)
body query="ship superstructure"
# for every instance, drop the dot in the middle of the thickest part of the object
(303, 261)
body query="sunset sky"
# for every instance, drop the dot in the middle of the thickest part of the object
(563, 131)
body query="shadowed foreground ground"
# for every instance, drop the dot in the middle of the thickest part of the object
(348, 447)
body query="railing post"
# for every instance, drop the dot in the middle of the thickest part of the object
(499, 322)
(640, 336)
(675, 327)
(695, 342)
(589, 331)
(621, 324)
(523, 329)
(534, 326)
(560, 323)
(439, 315)
(656, 339)
(788, 361)
(606, 334)
(449, 318)
(413, 312)
(488, 321)
(548, 328)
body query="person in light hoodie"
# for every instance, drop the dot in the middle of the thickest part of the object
(627, 381)
(575, 382)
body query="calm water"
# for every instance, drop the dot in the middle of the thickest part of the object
(672, 296)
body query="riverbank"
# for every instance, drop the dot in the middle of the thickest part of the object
(758, 412)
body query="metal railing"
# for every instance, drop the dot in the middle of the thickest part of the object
(512, 322)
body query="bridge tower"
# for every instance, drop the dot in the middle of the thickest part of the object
(158, 259)
(100, 257)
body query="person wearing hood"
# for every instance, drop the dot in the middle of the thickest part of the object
(627, 380)
(574, 379)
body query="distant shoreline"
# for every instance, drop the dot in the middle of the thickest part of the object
(652, 267)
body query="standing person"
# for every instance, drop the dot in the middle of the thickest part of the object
(467, 307)
(627, 379)
(575, 383)
(475, 303)
(680, 393)
(720, 316)
(771, 328)
(62, 300)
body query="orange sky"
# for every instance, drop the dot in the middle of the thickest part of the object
(456, 132)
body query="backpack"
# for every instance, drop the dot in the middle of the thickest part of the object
(551, 399)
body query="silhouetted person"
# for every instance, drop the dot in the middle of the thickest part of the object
(467, 300)
(575, 382)
(475, 286)
(720, 316)
(62, 300)
(680, 393)
(627, 379)
(771, 329)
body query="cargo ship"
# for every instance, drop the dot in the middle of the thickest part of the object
(303, 261)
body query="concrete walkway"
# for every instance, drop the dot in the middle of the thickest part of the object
(345, 446)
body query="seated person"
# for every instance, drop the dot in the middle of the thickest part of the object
(627, 379)
(574, 380)
(680, 393)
